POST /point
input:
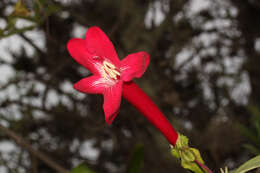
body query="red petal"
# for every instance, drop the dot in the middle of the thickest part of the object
(77, 49)
(134, 65)
(98, 43)
(112, 99)
(92, 85)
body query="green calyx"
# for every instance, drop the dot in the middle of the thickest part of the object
(189, 156)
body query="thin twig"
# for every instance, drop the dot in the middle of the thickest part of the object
(32, 43)
(20, 141)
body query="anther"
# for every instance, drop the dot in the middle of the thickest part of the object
(110, 69)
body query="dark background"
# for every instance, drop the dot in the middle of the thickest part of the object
(204, 75)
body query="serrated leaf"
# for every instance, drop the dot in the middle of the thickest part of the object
(249, 165)
(82, 168)
(136, 162)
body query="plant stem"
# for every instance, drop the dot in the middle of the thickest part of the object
(204, 167)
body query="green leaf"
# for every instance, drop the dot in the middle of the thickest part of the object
(252, 149)
(248, 133)
(82, 168)
(249, 165)
(136, 162)
(257, 127)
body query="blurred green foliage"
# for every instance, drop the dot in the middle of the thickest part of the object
(41, 10)
(82, 168)
(252, 131)
(136, 161)
(248, 165)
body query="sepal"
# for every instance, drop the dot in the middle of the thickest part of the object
(189, 156)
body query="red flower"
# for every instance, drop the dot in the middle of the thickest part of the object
(97, 54)
(112, 77)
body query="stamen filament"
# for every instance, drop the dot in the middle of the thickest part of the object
(110, 70)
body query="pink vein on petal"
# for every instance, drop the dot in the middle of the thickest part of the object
(93, 85)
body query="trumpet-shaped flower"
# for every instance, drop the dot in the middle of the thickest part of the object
(98, 55)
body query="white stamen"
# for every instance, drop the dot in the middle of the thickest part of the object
(109, 69)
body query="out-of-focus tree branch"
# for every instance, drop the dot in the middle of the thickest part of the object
(20, 141)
